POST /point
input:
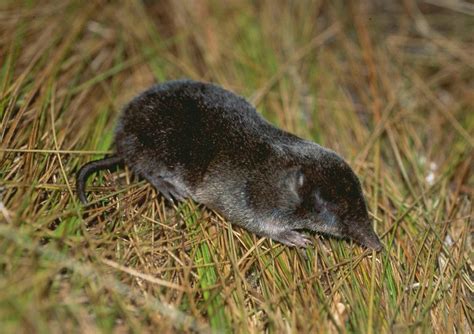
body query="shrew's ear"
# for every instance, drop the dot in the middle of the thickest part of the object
(295, 180)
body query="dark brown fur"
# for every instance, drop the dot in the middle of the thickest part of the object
(196, 140)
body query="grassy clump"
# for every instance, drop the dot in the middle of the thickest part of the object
(390, 88)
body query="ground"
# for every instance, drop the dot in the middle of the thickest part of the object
(389, 85)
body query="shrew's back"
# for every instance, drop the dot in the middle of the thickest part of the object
(191, 124)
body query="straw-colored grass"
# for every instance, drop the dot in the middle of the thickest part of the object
(389, 86)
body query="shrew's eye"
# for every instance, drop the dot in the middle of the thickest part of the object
(319, 203)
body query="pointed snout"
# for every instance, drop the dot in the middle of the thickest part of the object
(372, 242)
(367, 238)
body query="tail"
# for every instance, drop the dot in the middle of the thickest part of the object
(92, 167)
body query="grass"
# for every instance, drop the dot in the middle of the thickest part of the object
(388, 86)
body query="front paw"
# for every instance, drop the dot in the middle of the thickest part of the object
(294, 239)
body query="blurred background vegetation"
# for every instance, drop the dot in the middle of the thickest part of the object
(388, 84)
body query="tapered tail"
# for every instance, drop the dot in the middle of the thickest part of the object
(92, 167)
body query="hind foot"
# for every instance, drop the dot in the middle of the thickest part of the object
(169, 190)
